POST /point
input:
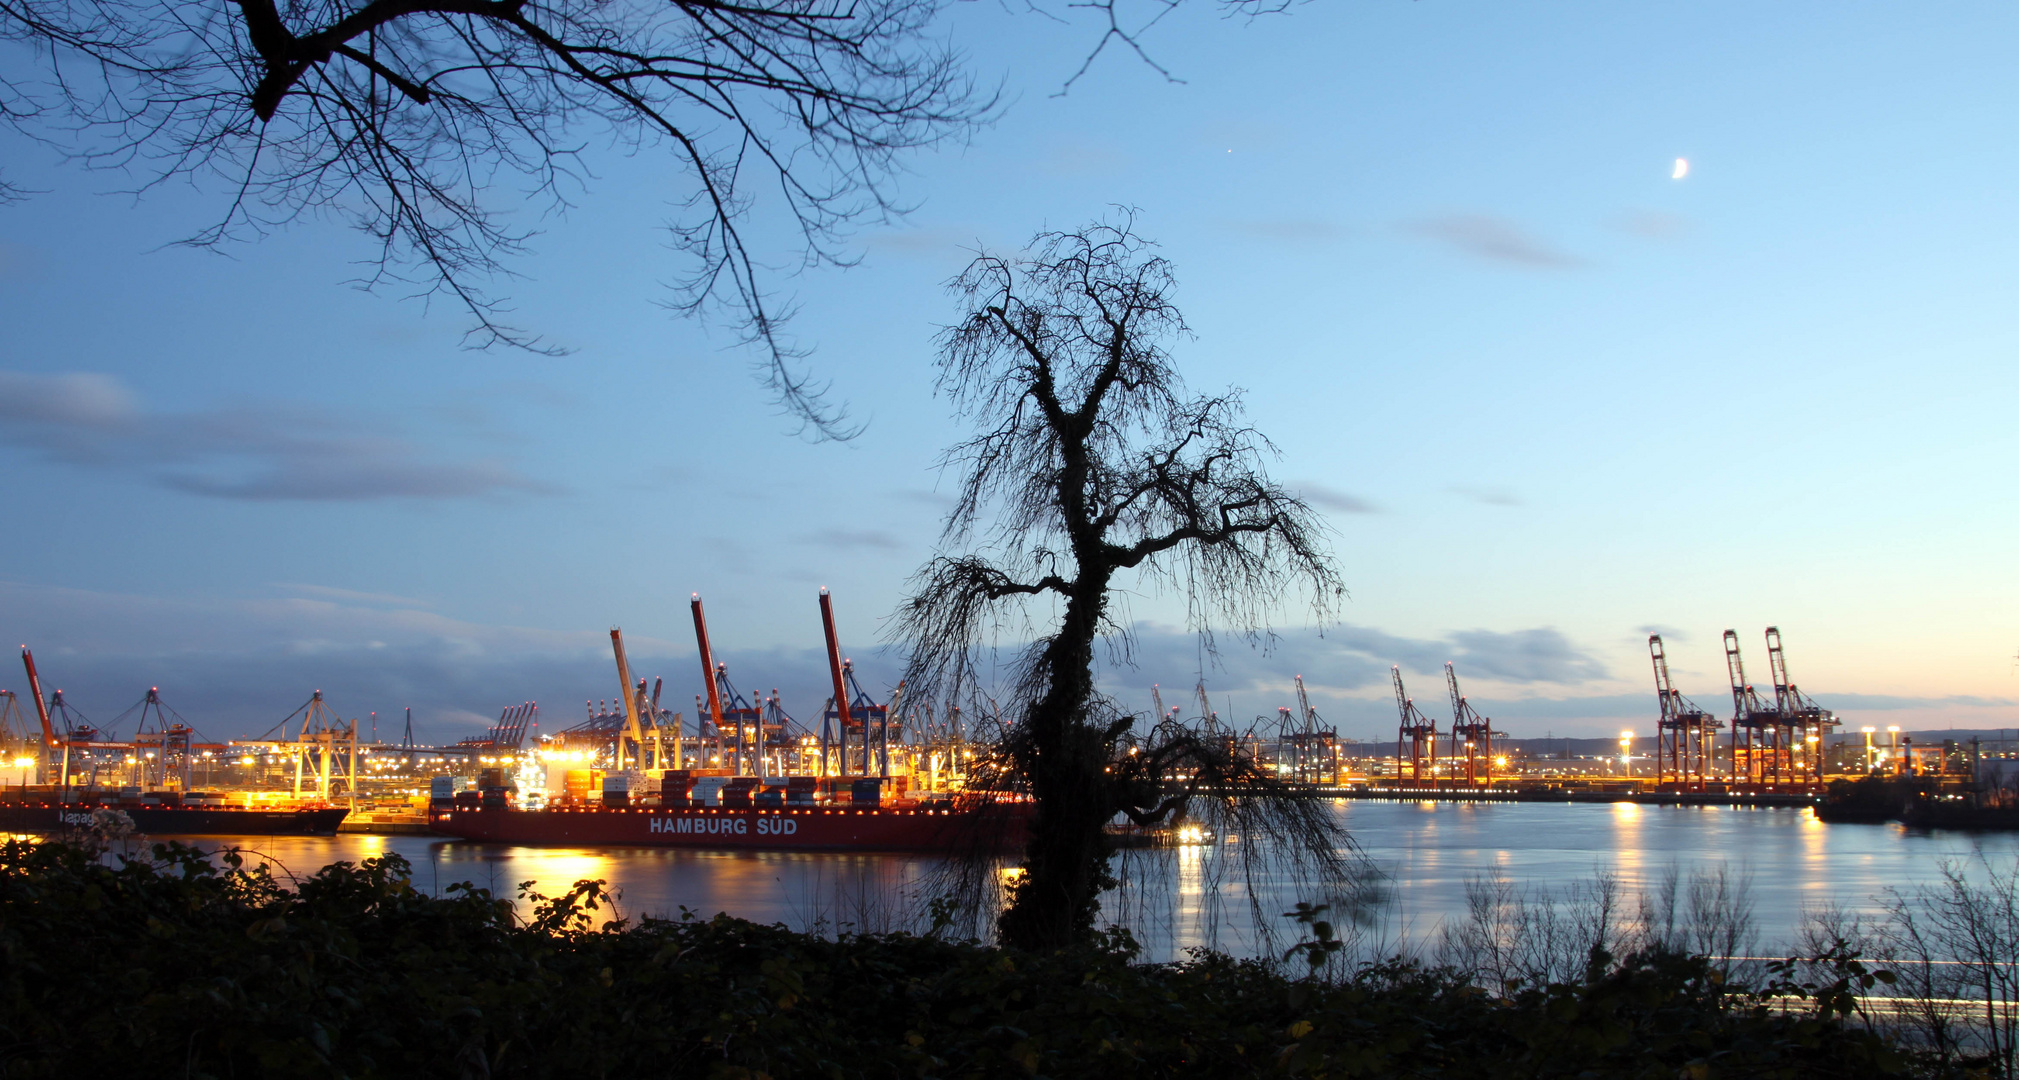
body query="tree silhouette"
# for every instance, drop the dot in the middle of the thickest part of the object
(1094, 465)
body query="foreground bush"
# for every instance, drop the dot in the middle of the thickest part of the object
(174, 967)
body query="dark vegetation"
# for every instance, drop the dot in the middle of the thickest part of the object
(173, 966)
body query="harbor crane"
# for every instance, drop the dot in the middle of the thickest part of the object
(851, 713)
(1808, 724)
(504, 737)
(735, 720)
(1471, 733)
(630, 743)
(1419, 733)
(1686, 736)
(1207, 716)
(1313, 750)
(1762, 735)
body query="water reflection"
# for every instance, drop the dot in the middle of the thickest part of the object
(1193, 896)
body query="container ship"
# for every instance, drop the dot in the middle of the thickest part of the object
(163, 813)
(788, 814)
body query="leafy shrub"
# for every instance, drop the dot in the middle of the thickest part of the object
(176, 966)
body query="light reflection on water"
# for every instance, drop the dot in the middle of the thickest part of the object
(1428, 851)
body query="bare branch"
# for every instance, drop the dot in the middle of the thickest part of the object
(429, 123)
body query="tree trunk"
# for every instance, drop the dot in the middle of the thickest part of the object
(1066, 858)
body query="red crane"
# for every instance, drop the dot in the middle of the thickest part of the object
(851, 713)
(1760, 733)
(1419, 732)
(733, 718)
(1686, 736)
(712, 714)
(1471, 733)
(1808, 723)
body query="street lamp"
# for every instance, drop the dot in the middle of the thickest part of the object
(1626, 751)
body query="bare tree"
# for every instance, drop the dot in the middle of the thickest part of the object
(1095, 466)
(406, 117)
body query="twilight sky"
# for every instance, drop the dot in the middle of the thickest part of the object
(1550, 398)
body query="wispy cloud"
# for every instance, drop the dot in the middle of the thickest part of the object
(1334, 499)
(1289, 230)
(1350, 657)
(1668, 633)
(289, 452)
(1526, 656)
(1491, 496)
(1083, 158)
(927, 242)
(1891, 702)
(875, 539)
(1651, 224)
(938, 500)
(1495, 240)
(327, 592)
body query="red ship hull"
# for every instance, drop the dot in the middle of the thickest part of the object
(996, 828)
(175, 820)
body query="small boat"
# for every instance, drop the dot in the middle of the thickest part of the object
(1183, 834)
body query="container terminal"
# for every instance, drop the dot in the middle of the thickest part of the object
(890, 758)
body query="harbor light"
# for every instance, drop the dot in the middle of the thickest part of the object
(1626, 751)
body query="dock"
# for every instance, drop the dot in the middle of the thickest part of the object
(1579, 795)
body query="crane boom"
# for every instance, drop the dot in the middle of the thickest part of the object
(631, 729)
(840, 690)
(833, 658)
(1471, 732)
(1206, 714)
(41, 706)
(1662, 688)
(707, 665)
(1777, 665)
(1736, 666)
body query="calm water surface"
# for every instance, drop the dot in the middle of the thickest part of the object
(1427, 851)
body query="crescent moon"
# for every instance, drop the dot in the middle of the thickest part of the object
(1682, 169)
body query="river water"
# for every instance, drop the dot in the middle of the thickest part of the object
(1422, 855)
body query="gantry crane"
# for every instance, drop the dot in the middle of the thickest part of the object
(1207, 717)
(1761, 734)
(737, 722)
(1471, 733)
(1808, 724)
(506, 736)
(850, 713)
(1686, 736)
(1313, 750)
(1419, 732)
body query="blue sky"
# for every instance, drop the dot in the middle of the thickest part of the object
(1549, 397)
